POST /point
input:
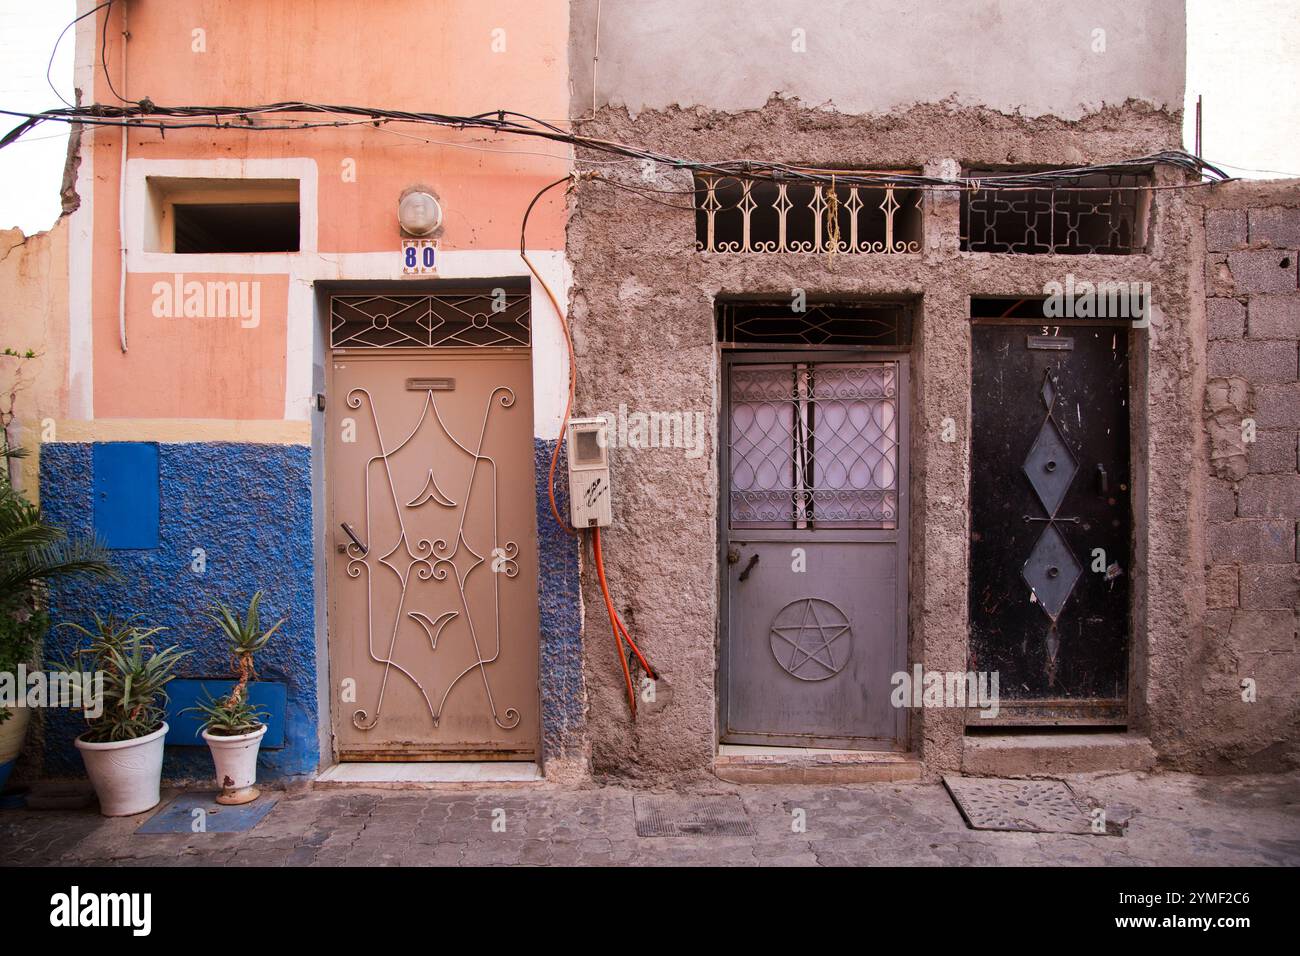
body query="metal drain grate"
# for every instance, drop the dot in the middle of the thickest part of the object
(1035, 806)
(691, 816)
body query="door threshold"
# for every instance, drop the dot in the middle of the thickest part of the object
(398, 775)
(745, 763)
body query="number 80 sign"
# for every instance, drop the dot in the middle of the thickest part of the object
(419, 256)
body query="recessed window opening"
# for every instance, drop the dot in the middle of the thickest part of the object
(198, 216)
(745, 215)
(236, 227)
(1007, 307)
(1095, 214)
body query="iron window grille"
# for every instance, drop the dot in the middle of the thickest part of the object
(867, 325)
(813, 445)
(474, 319)
(1102, 213)
(747, 215)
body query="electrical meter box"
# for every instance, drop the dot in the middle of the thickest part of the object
(589, 504)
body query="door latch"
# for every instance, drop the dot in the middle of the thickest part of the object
(347, 529)
(733, 555)
(753, 560)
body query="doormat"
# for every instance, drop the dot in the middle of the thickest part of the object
(691, 816)
(1033, 806)
(200, 813)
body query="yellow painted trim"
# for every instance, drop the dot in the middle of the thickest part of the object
(261, 431)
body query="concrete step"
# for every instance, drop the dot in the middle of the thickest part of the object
(402, 775)
(743, 764)
(1025, 755)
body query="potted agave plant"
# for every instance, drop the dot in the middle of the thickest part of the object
(122, 747)
(233, 726)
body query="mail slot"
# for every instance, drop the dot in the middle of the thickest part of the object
(1052, 343)
(430, 384)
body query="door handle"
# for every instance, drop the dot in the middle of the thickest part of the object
(753, 560)
(347, 529)
(1103, 482)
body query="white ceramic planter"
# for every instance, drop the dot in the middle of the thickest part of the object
(126, 773)
(236, 760)
(13, 732)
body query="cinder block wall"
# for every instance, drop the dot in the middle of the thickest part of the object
(1251, 505)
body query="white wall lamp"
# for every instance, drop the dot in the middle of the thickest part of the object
(418, 212)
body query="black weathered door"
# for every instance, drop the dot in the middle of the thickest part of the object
(1051, 519)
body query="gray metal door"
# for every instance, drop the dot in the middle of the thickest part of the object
(814, 539)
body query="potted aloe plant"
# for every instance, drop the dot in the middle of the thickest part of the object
(233, 727)
(122, 746)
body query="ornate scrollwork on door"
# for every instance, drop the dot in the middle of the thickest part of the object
(454, 558)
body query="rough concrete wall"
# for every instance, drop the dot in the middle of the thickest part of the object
(873, 56)
(642, 308)
(1251, 503)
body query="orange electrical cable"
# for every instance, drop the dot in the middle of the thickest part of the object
(613, 620)
(568, 341)
(635, 650)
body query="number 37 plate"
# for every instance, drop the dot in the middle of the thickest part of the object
(419, 256)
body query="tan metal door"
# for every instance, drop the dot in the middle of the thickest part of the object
(433, 550)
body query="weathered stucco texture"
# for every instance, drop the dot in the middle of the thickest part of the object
(874, 56)
(34, 277)
(642, 311)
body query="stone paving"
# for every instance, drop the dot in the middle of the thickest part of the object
(1173, 819)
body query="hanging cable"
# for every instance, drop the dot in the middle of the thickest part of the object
(617, 627)
(121, 189)
(148, 114)
(50, 65)
(568, 341)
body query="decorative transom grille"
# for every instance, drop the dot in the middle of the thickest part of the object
(745, 215)
(877, 325)
(1097, 214)
(478, 319)
(814, 445)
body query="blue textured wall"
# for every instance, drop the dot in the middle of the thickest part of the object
(249, 508)
(561, 615)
